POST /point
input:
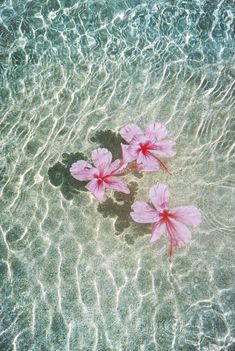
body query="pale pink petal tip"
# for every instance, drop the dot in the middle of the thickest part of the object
(156, 131)
(117, 165)
(129, 152)
(159, 195)
(164, 148)
(148, 163)
(96, 189)
(178, 233)
(158, 229)
(78, 166)
(101, 158)
(189, 215)
(117, 184)
(130, 132)
(143, 213)
(81, 170)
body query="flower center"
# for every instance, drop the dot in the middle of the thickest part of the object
(165, 214)
(99, 181)
(101, 178)
(144, 148)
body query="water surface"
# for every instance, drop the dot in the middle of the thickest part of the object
(76, 275)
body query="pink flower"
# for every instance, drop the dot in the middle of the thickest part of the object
(172, 222)
(145, 146)
(102, 176)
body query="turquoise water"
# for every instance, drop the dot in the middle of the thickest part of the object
(76, 275)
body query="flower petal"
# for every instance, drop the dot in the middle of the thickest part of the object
(178, 234)
(143, 213)
(129, 152)
(116, 166)
(150, 167)
(158, 229)
(81, 170)
(164, 148)
(97, 189)
(148, 163)
(130, 133)
(117, 184)
(187, 214)
(101, 158)
(156, 131)
(159, 196)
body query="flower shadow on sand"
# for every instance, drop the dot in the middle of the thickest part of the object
(60, 176)
(109, 140)
(118, 206)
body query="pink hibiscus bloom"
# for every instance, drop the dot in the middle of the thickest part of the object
(146, 146)
(172, 222)
(102, 176)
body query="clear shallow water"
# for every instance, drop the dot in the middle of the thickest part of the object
(78, 276)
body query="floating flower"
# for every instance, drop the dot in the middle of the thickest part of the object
(103, 175)
(147, 146)
(172, 222)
